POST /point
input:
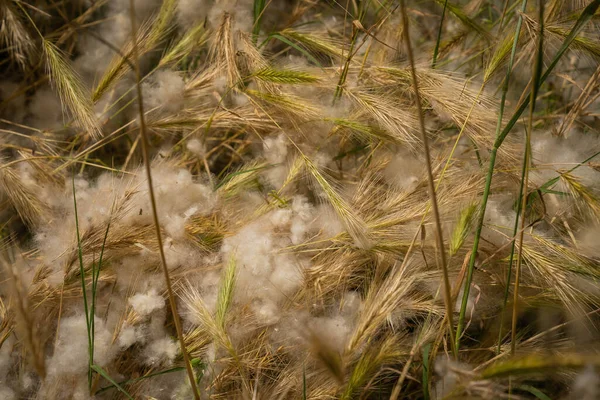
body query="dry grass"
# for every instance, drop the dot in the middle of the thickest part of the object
(301, 245)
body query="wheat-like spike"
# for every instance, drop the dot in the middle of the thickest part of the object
(222, 52)
(370, 364)
(462, 228)
(585, 200)
(25, 201)
(25, 324)
(287, 103)
(389, 113)
(73, 94)
(194, 38)
(225, 296)
(459, 13)
(355, 226)
(315, 42)
(363, 131)
(190, 119)
(15, 36)
(288, 76)
(500, 54)
(215, 329)
(149, 34)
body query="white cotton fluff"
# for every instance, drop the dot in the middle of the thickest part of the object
(300, 224)
(6, 393)
(265, 277)
(280, 217)
(128, 336)
(275, 152)
(196, 147)
(192, 12)
(552, 154)
(266, 312)
(95, 56)
(164, 91)
(587, 384)
(161, 352)
(286, 278)
(71, 355)
(5, 357)
(499, 219)
(350, 304)
(333, 331)
(444, 368)
(180, 254)
(176, 194)
(241, 10)
(404, 171)
(143, 8)
(251, 247)
(327, 221)
(589, 241)
(146, 303)
(46, 110)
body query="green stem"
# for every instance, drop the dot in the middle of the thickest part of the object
(439, 36)
(340, 86)
(511, 258)
(82, 274)
(537, 69)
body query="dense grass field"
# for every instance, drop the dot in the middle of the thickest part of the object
(299, 199)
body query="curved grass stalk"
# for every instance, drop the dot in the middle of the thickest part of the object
(434, 205)
(145, 146)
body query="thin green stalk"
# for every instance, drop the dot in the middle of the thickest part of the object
(340, 86)
(106, 376)
(145, 151)
(434, 205)
(258, 10)
(511, 259)
(498, 126)
(537, 71)
(95, 278)
(439, 36)
(196, 362)
(585, 16)
(82, 274)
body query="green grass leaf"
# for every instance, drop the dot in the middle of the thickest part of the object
(105, 375)
(295, 46)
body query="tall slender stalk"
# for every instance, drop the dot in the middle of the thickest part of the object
(537, 69)
(145, 145)
(585, 16)
(511, 258)
(498, 126)
(340, 86)
(85, 300)
(430, 181)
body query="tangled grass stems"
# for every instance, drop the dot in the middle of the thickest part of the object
(584, 17)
